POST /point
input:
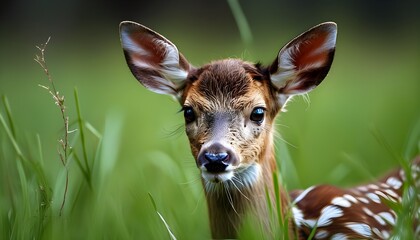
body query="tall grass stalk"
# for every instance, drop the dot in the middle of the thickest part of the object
(28, 212)
(64, 149)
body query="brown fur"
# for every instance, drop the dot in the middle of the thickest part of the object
(228, 86)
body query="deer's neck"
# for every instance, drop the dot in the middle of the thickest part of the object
(230, 203)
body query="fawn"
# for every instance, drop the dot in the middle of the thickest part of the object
(230, 107)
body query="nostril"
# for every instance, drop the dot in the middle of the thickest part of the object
(215, 167)
(216, 162)
(216, 157)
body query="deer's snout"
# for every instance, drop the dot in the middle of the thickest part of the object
(216, 158)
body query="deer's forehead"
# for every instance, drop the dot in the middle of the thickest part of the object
(226, 84)
(226, 103)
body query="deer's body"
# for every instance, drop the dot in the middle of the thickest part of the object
(230, 108)
(356, 213)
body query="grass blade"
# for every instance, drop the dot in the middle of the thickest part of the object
(412, 146)
(9, 115)
(241, 21)
(82, 169)
(281, 218)
(82, 132)
(171, 235)
(382, 141)
(11, 137)
(93, 130)
(313, 231)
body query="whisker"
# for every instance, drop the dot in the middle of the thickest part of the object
(278, 136)
(287, 143)
(177, 132)
(306, 99)
(281, 125)
(229, 197)
(233, 183)
(238, 180)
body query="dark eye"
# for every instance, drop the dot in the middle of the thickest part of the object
(189, 114)
(257, 115)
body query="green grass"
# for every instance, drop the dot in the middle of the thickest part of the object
(108, 196)
(126, 147)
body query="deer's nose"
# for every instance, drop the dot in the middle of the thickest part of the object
(216, 158)
(217, 162)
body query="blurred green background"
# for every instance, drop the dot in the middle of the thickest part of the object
(374, 85)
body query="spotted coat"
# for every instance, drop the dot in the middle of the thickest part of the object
(361, 212)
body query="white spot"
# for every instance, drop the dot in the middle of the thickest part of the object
(339, 236)
(350, 198)
(321, 234)
(327, 214)
(363, 188)
(367, 211)
(373, 197)
(385, 234)
(379, 193)
(362, 199)
(340, 201)
(379, 220)
(373, 186)
(298, 216)
(387, 217)
(391, 193)
(303, 194)
(384, 185)
(360, 228)
(394, 182)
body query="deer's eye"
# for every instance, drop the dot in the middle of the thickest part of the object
(257, 115)
(189, 114)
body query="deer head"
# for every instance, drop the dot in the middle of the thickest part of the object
(230, 105)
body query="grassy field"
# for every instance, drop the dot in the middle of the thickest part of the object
(129, 154)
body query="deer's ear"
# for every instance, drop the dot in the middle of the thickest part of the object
(153, 59)
(304, 62)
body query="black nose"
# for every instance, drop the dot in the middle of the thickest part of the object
(216, 158)
(215, 161)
